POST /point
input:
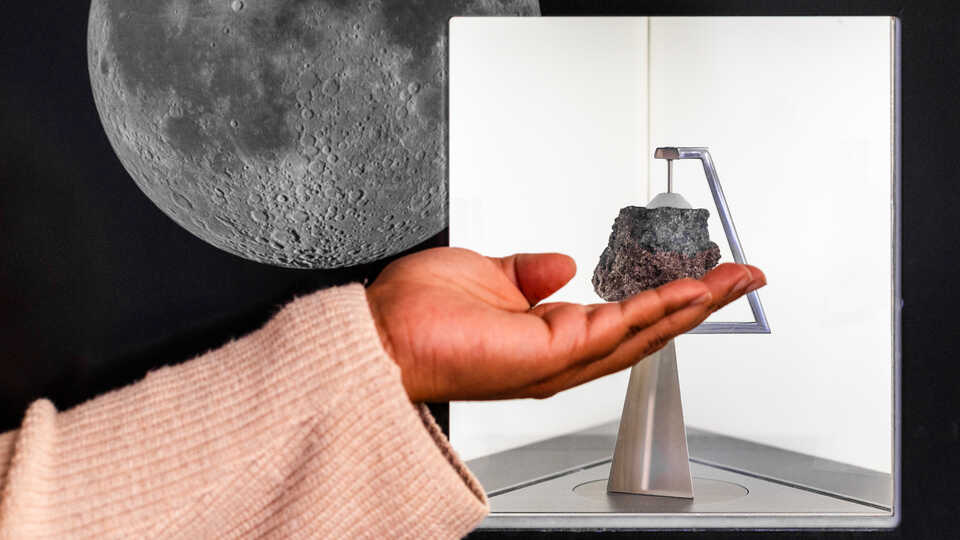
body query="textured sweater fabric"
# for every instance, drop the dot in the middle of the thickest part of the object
(301, 429)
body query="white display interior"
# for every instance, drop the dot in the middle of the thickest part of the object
(553, 122)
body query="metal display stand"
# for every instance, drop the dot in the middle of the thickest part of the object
(651, 455)
(560, 483)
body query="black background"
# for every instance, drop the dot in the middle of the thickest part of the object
(97, 286)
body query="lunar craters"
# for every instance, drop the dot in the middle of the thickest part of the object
(301, 133)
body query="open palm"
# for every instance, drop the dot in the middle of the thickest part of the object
(464, 326)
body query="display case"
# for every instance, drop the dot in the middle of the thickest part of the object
(556, 124)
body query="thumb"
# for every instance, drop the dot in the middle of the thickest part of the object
(538, 275)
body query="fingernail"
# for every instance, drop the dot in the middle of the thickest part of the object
(702, 299)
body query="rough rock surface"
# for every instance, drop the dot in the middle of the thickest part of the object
(650, 247)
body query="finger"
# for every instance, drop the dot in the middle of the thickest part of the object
(538, 275)
(543, 308)
(727, 284)
(759, 278)
(583, 333)
(643, 344)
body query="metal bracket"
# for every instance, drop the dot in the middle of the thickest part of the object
(759, 324)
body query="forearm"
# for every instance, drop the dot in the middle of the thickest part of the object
(303, 421)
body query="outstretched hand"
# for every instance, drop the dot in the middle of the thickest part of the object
(464, 326)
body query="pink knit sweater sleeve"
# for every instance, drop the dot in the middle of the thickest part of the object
(300, 429)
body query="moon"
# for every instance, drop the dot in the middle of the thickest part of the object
(298, 133)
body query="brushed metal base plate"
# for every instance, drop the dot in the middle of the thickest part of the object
(561, 484)
(719, 492)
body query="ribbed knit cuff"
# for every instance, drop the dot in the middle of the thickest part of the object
(301, 429)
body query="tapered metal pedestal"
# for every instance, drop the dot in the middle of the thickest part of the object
(651, 456)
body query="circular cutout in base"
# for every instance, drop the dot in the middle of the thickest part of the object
(706, 491)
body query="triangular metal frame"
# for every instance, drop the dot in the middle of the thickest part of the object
(651, 455)
(759, 324)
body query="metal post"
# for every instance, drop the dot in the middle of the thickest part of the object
(669, 176)
(651, 456)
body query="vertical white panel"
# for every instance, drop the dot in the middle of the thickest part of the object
(797, 114)
(548, 139)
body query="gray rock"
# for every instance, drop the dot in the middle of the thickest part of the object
(651, 247)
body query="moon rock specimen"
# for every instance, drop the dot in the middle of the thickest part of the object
(650, 247)
(300, 133)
